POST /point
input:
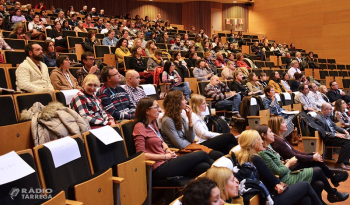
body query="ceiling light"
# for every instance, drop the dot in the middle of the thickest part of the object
(234, 1)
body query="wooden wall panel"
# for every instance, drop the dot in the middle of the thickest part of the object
(235, 11)
(197, 14)
(321, 26)
(170, 11)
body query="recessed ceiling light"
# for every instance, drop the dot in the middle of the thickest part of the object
(234, 1)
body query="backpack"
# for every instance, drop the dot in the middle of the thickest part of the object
(219, 124)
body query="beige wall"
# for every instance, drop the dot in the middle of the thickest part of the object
(322, 26)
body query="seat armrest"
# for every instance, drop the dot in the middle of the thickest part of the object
(149, 162)
(174, 149)
(71, 202)
(117, 180)
(254, 117)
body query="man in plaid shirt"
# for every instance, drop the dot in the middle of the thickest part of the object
(132, 87)
(88, 59)
(114, 99)
(216, 90)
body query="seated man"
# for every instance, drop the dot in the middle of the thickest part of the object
(334, 93)
(132, 87)
(315, 96)
(293, 69)
(88, 59)
(114, 99)
(99, 24)
(216, 90)
(258, 51)
(32, 74)
(302, 97)
(177, 45)
(333, 135)
(110, 39)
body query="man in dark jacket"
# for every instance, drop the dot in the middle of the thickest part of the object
(334, 93)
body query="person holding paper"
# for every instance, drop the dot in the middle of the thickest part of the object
(313, 175)
(61, 78)
(305, 160)
(132, 87)
(254, 84)
(148, 139)
(220, 94)
(115, 99)
(222, 142)
(88, 105)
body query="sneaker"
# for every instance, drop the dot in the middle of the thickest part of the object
(337, 197)
(339, 177)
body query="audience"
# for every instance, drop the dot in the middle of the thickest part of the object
(335, 93)
(335, 136)
(18, 32)
(80, 27)
(121, 51)
(88, 59)
(58, 35)
(90, 41)
(219, 62)
(294, 68)
(227, 72)
(275, 82)
(89, 106)
(253, 84)
(285, 80)
(150, 48)
(340, 114)
(61, 78)
(258, 51)
(148, 139)
(323, 90)
(202, 71)
(296, 82)
(110, 39)
(263, 80)
(238, 85)
(49, 54)
(32, 74)
(240, 62)
(37, 29)
(302, 97)
(136, 62)
(170, 75)
(155, 61)
(181, 64)
(315, 96)
(132, 87)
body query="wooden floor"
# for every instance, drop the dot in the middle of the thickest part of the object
(343, 186)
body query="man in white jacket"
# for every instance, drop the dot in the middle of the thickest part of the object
(32, 74)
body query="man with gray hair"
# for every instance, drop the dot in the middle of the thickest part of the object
(335, 136)
(315, 96)
(294, 68)
(132, 87)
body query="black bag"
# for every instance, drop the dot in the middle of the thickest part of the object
(219, 124)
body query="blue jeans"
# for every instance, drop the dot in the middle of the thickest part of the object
(230, 104)
(185, 89)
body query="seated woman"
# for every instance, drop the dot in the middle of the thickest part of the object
(177, 130)
(219, 62)
(155, 61)
(208, 57)
(191, 49)
(58, 35)
(275, 82)
(80, 28)
(19, 32)
(323, 90)
(121, 51)
(340, 114)
(170, 75)
(227, 72)
(263, 80)
(238, 86)
(270, 102)
(276, 49)
(232, 48)
(37, 29)
(18, 17)
(202, 191)
(192, 58)
(148, 139)
(180, 63)
(61, 78)
(49, 54)
(44, 17)
(286, 151)
(136, 62)
(90, 41)
(202, 70)
(254, 84)
(311, 61)
(313, 175)
(222, 142)
(204, 47)
(150, 48)
(66, 26)
(138, 43)
(88, 105)
(240, 62)
(285, 80)
(298, 193)
(296, 82)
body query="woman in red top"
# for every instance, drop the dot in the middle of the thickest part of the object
(240, 62)
(148, 139)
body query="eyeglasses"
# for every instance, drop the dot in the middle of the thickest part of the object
(114, 74)
(157, 107)
(90, 59)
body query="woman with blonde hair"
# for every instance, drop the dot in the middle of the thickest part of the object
(323, 90)
(298, 193)
(222, 142)
(254, 84)
(80, 28)
(228, 71)
(313, 175)
(19, 32)
(138, 43)
(226, 182)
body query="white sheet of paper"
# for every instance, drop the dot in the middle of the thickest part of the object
(253, 101)
(123, 86)
(63, 150)
(206, 112)
(107, 135)
(290, 112)
(149, 89)
(223, 162)
(69, 94)
(312, 114)
(278, 97)
(13, 167)
(171, 77)
(177, 202)
(287, 96)
(233, 95)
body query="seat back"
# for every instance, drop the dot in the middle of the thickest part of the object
(127, 62)
(41, 43)
(26, 101)
(82, 34)
(101, 156)
(101, 50)
(201, 86)
(59, 96)
(69, 33)
(14, 57)
(62, 177)
(3, 78)
(286, 98)
(127, 128)
(74, 40)
(71, 56)
(7, 109)
(12, 192)
(15, 43)
(254, 107)
(100, 35)
(260, 64)
(269, 64)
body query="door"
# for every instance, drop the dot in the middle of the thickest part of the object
(216, 20)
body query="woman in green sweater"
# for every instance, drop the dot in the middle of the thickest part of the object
(313, 175)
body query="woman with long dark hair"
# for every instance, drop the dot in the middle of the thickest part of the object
(275, 82)
(170, 75)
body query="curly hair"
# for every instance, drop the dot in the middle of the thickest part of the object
(198, 191)
(172, 104)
